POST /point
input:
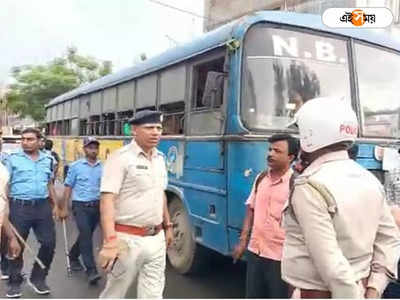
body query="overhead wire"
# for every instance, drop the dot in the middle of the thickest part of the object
(182, 10)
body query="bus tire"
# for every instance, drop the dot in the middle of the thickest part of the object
(185, 256)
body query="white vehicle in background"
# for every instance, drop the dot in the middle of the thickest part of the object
(11, 143)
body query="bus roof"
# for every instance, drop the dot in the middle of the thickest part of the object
(218, 37)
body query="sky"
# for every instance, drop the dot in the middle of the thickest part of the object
(34, 32)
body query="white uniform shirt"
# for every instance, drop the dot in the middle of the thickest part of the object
(334, 241)
(4, 177)
(139, 184)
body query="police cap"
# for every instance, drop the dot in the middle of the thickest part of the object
(90, 140)
(146, 117)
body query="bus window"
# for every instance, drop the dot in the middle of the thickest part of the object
(121, 124)
(109, 124)
(214, 90)
(52, 128)
(74, 128)
(83, 127)
(59, 128)
(66, 127)
(206, 117)
(379, 81)
(173, 118)
(94, 126)
(282, 69)
(200, 74)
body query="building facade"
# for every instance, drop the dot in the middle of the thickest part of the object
(10, 122)
(219, 12)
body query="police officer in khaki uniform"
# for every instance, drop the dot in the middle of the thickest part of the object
(9, 247)
(341, 239)
(134, 216)
(4, 177)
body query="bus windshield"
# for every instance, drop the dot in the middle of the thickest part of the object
(379, 81)
(282, 69)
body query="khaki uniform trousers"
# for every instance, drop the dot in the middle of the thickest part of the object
(144, 260)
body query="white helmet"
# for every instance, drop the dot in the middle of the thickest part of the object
(326, 121)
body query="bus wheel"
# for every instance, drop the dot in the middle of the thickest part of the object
(184, 254)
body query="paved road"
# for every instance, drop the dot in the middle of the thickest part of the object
(220, 279)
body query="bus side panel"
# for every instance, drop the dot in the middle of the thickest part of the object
(245, 160)
(60, 146)
(366, 157)
(198, 169)
(108, 146)
(204, 187)
(70, 149)
(73, 150)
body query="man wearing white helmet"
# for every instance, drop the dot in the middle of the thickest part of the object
(341, 239)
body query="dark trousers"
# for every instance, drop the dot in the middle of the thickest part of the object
(392, 291)
(264, 278)
(4, 264)
(393, 288)
(39, 218)
(3, 251)
(87, 218)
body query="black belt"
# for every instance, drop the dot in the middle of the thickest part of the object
(30, 202)
(86, 203)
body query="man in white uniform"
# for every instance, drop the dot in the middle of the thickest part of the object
(4, 177)
(341, 239)
(134, 213)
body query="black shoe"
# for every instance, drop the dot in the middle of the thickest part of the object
(76, 265)
(39, 286)
(93, 277)
(14, 290)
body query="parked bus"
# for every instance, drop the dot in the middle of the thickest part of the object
(222, 96)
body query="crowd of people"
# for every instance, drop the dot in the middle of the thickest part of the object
(317, 224)
(126, 196)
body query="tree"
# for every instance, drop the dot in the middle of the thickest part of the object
(36, 85)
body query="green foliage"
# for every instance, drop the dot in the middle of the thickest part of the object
(36, 85)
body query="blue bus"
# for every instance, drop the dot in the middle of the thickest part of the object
(222, 96)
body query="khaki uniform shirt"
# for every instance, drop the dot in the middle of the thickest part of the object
(139, 184)
(339, 230)
(4, 177)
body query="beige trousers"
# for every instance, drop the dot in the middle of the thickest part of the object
(145, 260)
